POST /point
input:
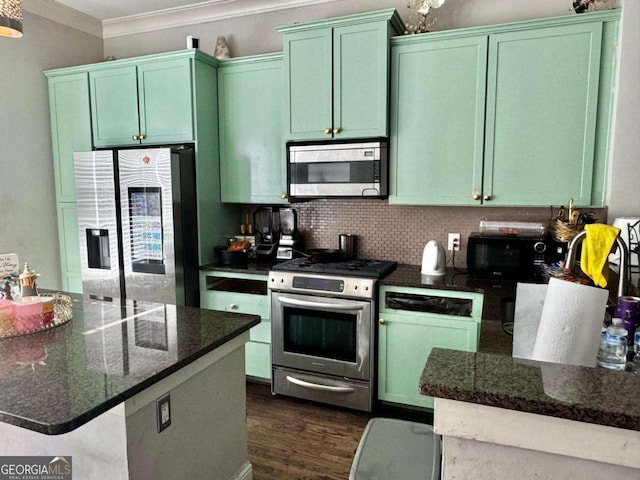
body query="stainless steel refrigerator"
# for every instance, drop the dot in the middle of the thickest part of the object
(137, 224)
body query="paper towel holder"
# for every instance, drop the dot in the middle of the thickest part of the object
(624, 260)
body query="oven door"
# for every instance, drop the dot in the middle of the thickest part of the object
(332, 336)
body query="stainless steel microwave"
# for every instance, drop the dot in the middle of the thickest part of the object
(318, 170)
(505, 256)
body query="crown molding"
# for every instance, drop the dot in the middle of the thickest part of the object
(64, 15)
(210, 11)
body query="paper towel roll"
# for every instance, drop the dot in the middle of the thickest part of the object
(570, 324)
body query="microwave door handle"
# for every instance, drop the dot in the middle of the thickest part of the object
(317, 386)
(330, 306)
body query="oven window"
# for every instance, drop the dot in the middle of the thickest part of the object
(320, 334)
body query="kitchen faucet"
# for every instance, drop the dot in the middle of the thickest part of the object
(624, 260)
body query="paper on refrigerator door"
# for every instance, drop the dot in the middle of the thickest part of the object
(559, 322)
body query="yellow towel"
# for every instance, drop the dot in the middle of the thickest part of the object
(595, 251)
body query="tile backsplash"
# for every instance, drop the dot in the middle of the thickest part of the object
(399, 233)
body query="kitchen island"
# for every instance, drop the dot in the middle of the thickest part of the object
(505, 418)
(89, 389)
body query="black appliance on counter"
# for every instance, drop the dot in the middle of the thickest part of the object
(323, 330)
(266, 223)
(505, 256)
(290, 242)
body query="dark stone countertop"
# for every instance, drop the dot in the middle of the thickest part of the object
(57, 380)
(590, 395)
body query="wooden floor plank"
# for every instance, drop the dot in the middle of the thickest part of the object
(291, 439)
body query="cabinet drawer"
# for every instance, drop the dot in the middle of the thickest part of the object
(234, 293)
(428, 303)
(236, 302)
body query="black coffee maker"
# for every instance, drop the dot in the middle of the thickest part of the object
(266, 224)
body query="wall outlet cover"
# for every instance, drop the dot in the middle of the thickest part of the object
(163, 412)
(453, 242)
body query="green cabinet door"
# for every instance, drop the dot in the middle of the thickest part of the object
(405, 342)
(149, 103)
(69, 241)
(412, 321)
(70, 128)
(114, 106)
(360, 80)
(542, 101)
(337, 76)
(252, 158)
(165, 102)
(437, 120)
(308, 89)
(70, 132)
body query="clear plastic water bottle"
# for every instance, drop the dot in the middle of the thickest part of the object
(612, 353)
(635, 363)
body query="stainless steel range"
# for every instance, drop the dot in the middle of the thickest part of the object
(323, 330)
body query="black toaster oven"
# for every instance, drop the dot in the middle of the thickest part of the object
(505, 256)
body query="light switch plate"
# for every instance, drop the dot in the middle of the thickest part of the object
(163, 412)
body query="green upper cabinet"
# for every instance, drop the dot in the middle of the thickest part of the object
(252, 158)
(70, 128)
(510, 115)
(145, 103)
(337, 76)
(542, 102)
(437, 120)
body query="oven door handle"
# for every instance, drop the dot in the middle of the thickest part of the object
(318, 386)
(328, 306)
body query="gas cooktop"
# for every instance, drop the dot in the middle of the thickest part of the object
(347, 268)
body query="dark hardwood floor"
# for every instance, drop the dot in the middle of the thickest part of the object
(291, 439)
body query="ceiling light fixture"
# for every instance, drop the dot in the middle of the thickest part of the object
(10, 18)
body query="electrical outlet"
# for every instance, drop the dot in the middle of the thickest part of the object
(454, 242)
(163, 412)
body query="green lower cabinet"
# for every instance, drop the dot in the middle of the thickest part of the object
(406, 337)
(243, 293)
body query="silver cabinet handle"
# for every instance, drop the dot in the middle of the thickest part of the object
(304, 303)
(318, 386)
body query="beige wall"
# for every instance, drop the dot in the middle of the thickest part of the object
(256, 34)
(28, 224)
